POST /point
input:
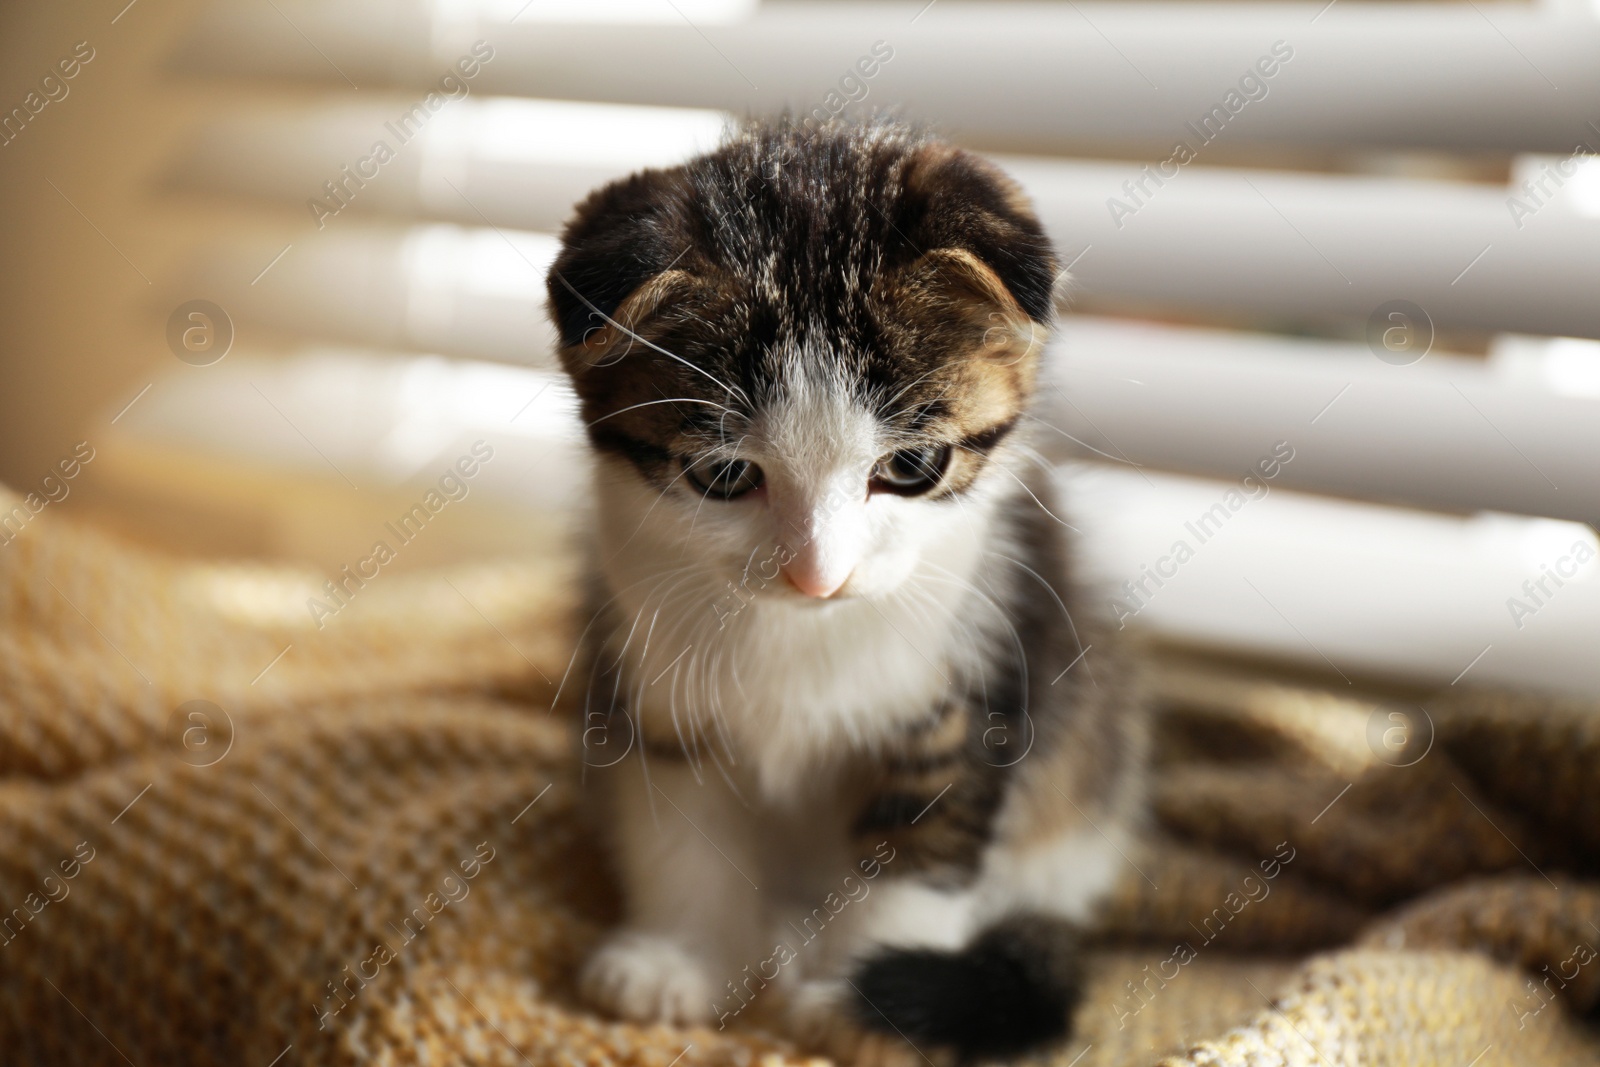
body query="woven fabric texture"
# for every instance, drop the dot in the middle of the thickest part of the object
(231, 836)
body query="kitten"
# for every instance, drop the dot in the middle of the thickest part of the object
(852, 739)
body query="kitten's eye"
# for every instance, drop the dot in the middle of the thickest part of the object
(911, 471)
(724, 478)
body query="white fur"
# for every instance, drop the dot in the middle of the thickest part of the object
(1065, 878)
(911, 914)
(771, 690)
(648, 978)
(788, 682)
(689, 856)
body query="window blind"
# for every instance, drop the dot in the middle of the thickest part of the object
(1242, 190)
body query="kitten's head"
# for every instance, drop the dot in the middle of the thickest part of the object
(800, 356)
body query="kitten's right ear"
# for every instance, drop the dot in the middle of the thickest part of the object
(614, 271)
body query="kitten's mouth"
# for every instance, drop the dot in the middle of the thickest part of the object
(788, 594)
(818, 602)
(823, 595)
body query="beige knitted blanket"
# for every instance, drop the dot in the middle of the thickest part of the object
(230, 837)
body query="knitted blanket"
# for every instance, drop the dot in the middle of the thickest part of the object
(231, 836)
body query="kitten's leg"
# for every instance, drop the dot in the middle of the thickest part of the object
(897, 912)
(693, 911)
(1000, 969)
(925, 829)
(927, 972)
(968, 947)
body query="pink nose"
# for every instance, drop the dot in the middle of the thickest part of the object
(811, 583)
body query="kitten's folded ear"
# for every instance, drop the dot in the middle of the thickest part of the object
(959, 277)
(614, 273)
(953, 291)
(973, 307)
(961, 203)
(608, 337)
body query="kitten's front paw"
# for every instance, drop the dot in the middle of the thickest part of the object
(647, 978)
(822, 1018)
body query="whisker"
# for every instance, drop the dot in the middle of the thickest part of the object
(1025, 489)
(662, 577)
(706, 671)
(903, 390)
(724, 649)
(644, 653)
(730, 390)
(1005, 620)
(581, 646)
(648, 511)
(665, 400)
(695, 519)
(1071, 626)
(1122, 460)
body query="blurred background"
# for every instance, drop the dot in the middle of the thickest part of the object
(273, 266)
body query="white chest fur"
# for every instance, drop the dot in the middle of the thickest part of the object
(790, 688)
(784, 686)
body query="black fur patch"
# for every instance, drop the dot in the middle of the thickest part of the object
(983, 443)
(1011, 990)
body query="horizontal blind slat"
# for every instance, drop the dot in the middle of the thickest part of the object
(1210, 239)
(1477, 77)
